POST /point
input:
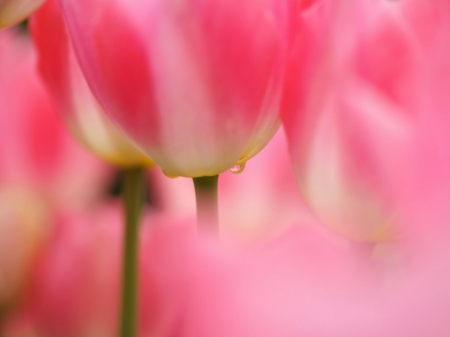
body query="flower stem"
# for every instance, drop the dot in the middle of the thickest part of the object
(133, 195)
(206, 198)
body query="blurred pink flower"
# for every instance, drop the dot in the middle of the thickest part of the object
(300, 284)
(41, 169)
(77, 106)
(304, 285)
(197, 86)
(35, 150)
(349, 115)
(76, 280)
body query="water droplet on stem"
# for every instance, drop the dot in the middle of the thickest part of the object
(236, 169)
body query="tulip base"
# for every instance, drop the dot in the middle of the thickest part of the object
(206, 198)
(133, 194)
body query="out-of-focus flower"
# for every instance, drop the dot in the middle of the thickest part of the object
(304, 285)
(76, 279)
(197, 86)
(35, 150)
(80, 110)
(284, 288)
(41, 168)
(13, 11)
(300, 284)
(349, 114)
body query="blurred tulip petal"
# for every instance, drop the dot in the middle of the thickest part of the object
(79, 109)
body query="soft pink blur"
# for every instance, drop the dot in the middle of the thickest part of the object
(36, 150)
(41, 168)
(300, 283)
(198, 85)
(76, 282)
(349, 116)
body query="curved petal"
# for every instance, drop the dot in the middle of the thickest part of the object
(80, 110)
(198, 85)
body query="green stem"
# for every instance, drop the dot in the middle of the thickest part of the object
(133, 194)
(206, 198)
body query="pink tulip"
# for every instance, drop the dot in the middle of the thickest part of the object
(74, 282)
(13, 11)
(80, 110)
(196, 84)
(73, 290)
(41, 168)
(35, 151)
(300, 284)
(349, 115)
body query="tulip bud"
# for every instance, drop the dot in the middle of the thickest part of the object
(78, 107)
(195, 83)
(347, 114)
